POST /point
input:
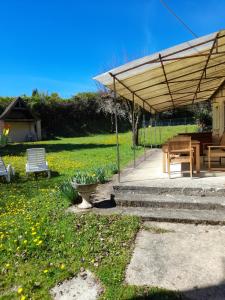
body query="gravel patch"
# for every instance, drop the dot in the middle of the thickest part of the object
(84, 286)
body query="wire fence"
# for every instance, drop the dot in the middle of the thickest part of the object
(154, 133)
(169, 122)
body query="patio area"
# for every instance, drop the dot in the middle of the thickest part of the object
(183, 75)
(149, 173)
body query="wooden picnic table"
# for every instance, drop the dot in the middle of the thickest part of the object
(196, 147)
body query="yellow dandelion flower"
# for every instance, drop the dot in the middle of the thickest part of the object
(7, 265)
(62, 266)
(20, 289)
(45, 271)
(25, 241)
(23, 297)
(34, 232)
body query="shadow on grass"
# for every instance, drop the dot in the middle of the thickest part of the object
(19, 178)
(43, 175)
(20, 149)
(158, 296)
(214, 292)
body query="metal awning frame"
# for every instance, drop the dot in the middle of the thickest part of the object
(162, 59)
(177, 79)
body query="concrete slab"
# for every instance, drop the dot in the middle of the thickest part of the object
(149, 173)
(84, 286)
(192, 216)
(185, 258)
(169, 201)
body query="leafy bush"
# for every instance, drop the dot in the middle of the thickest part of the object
(204, 116)
(83, 114)
(69, 192)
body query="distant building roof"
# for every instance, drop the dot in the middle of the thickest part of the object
(17, 111)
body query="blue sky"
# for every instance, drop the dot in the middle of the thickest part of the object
(59, 45)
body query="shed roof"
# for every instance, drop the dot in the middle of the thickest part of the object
(185, 74)
(17, 110)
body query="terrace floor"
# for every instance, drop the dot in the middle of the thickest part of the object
(148, 173)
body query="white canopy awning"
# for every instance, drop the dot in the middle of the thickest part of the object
(185, 74)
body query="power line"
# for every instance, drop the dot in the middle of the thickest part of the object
(178, 18)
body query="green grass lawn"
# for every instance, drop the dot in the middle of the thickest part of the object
(41, 245)
(160, 134)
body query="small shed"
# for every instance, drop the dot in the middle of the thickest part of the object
(24, 126)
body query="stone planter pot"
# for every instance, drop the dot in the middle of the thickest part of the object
(85, 190)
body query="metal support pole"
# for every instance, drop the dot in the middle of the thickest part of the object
(144, 129)
(155, 131)
(160, 133)
(151, 139)
(116, 127)
(133, 130)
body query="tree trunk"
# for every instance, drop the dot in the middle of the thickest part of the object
(136, 135)
(112, 123)
(136, 129)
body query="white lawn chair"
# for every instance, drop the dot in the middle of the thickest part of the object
(7, 172)
(36, 161)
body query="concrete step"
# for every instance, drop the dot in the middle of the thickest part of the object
(211, 217)
(169, 201)
(162, 190)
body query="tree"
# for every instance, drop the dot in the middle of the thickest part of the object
(54, 97)
(203, 115)
(136, 113)
(124, 111)
(107, 106)
(35, 93)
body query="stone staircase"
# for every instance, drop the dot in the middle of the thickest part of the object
(186, 205)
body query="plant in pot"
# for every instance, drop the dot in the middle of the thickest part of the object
(86, 182)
